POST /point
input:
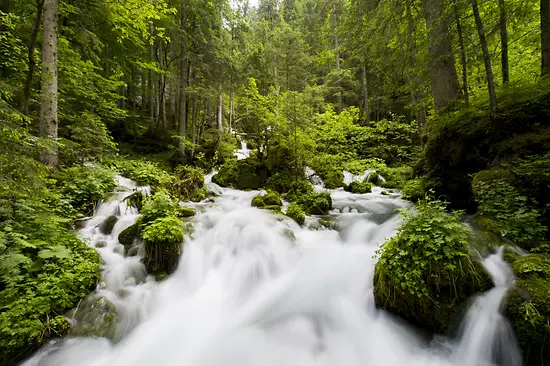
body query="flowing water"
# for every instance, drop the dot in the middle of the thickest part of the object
(253, 288)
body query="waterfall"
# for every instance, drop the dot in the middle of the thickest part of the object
(254, 288)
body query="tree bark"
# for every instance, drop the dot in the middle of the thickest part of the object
(486, 59)
(504, 42)
(151, 90)
(48, 105)
(182, 126)
(32, 64)
(445, 86)
(366, 93)
(463, 57)
(545, 35)
(220, 112)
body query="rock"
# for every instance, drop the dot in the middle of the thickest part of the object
(106, 227)
(241, 174)
(128, 235)
(135, 200)
(528, 307)
(163, 240)
(359, 187)
(95, 317)
(295, 212)
(269, 201)
(186, 212)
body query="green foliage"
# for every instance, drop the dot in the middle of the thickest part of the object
(164, 230)
(163, 238)
(157, 206)
(425, 271)
(414, 190)
(241, 174)
(84, 186)
(186, 212)
(504, 210)
(143, 172)
(128, 235)
(315, 203)
(188, 184)
(295, 212)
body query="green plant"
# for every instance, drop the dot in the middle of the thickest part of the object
(163, 238)
(295, 212)
(315, 203)
(157, 206)
(414, 190)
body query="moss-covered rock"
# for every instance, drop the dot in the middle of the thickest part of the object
(128, 235)
(316, 203)
(359, 187)
(106, 227)
(269, 201)
(425, 273)
(188, 184)
(186, 212)
(95, 317)
(241, 174)
(295, 212)
(163, 241)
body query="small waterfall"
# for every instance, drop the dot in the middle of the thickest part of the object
(314, 178)
(486, 336)
(243, 152)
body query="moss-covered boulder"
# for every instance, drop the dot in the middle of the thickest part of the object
(269, 201)
(296, 213)
(186, 212)
(188, 184)
(333, 178)
(95, 317)
(128, 235)
(425, 273)
(241, 174)
(106, 227)
(359, 187)
(528, 307)
(316, 203)
(163, 241)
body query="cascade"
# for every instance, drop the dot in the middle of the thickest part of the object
(253, 288)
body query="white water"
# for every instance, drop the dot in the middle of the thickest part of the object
(243, 152)
(253, 288)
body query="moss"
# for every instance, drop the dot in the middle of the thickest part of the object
(316, 203)
(107, 226)
(188, 184)
(532, 265)
(269, 201)
(95, 317)
(163, 238)
(128, 235)
(486, 177)
(528, 309)
(359, 187)
(333, 178)
(186, 212)
(295, 212)
(374, 178)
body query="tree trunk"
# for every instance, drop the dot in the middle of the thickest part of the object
(463, 58)
(366, 93)
(445, 86)
(504, 42)
(486, 59)
(151, 90)
(231, 110)
(195, 113)
(48, 105)
(32, 64)
(545, 35)
(220, 112)
(182, 127)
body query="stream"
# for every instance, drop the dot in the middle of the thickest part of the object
(253, 288)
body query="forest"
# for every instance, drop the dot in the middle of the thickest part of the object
(440, 105)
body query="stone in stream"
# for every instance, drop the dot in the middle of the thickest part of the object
(128, 235)
(106, 227)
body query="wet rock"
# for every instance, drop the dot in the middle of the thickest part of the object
(186, 212)
(135, 200)
(129, 235)
(106, 227)
(94, 317)
(359, 187)
(268, 201)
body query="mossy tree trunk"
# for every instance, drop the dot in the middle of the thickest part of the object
(545, 35)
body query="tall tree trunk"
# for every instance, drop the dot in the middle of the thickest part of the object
(486, 59)
(48, 105)
(504, 42)
(182, 127)
(220, 112)
(231, 109)
(152, 83)
(32, 64)
(445, 86)
(545, 35)
(366, 93)
(195, 112)
(463, 58)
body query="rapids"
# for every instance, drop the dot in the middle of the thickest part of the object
(253, 288)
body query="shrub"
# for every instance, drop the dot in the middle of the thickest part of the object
(241, 174)
(163, 238)
(188, 185)
(157, 206)
(316, 203)
(414, 190)
(424, 273)
(84, 186)
(295, 212)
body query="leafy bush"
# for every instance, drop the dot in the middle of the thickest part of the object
(241, 174)
(157, 206)
(84, 186)
(188, 185)
(414, 190)
(316, 203)
(146, 173)
(425, 272)
(359, 187)
(295, 212)
(269, 201)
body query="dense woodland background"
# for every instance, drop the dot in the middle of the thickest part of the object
(443, 96)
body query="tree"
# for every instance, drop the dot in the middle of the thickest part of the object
(182, 121)
(545, 35)
(48, 106)
(504, 42)
(445, 87)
